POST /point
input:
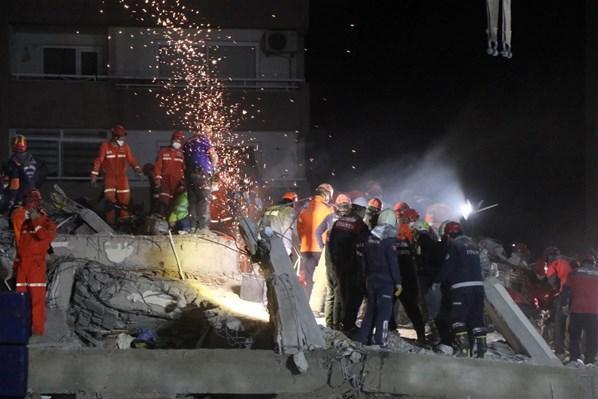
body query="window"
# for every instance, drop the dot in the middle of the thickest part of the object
(67, 153)
(71, 60)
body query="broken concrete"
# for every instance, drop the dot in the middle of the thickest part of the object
(199, 254)
(515, 326)
(169, 372)
(62, 202)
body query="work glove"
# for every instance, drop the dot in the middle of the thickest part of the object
(94, 181)
(398, 289)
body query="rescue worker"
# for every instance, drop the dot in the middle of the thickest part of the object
(332, 303)
(178, 219)
(282, 219)
(37, 234)
(462, 271)
(360, 205)
(169, 170)
(442, 321)
(383, 280)
(409, 296)
(557, 272)
(372, 211)
(201, 169)
(582, 293)
(112, 160)
(346, 233)
(313, 224)
(23, 170)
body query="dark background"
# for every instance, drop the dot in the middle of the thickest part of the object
(417, 79)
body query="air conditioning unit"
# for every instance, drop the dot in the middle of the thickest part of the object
(280, 42)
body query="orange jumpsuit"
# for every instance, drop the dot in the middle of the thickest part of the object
(30, 266)
(17, 218)
(169, 170)
(112, 162)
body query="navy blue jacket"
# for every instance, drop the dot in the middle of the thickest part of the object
(345, 234)
(379, 255)
(461, 267)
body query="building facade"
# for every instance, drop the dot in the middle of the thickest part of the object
(69, 72)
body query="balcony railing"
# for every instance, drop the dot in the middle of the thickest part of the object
(137, 81)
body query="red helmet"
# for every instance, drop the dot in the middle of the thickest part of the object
(375, 203)
(119, 131)
(400, 206)
(33, 199)
(19, 143)
(178, 135)
(342, 199)
(290, 196)
(453, 228)
(409, 214)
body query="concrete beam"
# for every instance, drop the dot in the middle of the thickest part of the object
(515, 326)
(168, 372)
(199, 254)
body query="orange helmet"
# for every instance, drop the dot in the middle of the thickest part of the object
(410, 214)
(290, 196)
(19, 143)
(342, 199)
(178, 135)
(400, 206)
(375, 203)
(119, 131)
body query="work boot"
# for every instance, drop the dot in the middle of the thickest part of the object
(463, 344)
(481, 346)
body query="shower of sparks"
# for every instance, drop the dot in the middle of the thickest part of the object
(192, 94)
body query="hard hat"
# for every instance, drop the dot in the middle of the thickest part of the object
(178, 135)
(119, 131)
(33, 199)
(420, 225)
(442, 228)
(19, 143)
(327, 188)
(360, 201)
(387, 216)
(343, 199)
(399, 206)
(290, 196)
(375, 203)
(453, 229)
(410, 214)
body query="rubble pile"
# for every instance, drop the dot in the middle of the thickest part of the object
(106, 301)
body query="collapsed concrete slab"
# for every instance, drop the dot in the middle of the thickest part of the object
(515, 326)
(199, 254)
(170, 372)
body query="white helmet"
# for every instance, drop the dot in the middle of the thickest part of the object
(360, 201)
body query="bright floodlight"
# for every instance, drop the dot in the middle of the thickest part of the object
(466, 209)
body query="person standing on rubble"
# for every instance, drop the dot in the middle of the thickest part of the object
(282, 219)
(345, 269)
(37, 233)
(201, 169)
(557, 273)
(112, 160)
(406, 253)
(169, 170)
(313, 224)
(178, 219)
(378, 255)
(24, 172)
(461, 270)
(581, 294)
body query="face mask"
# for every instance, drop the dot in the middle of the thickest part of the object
(176, 145)
(120, 142)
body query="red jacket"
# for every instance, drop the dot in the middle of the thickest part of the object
(583, 284)
(170, 163)
(36, 237)
(112, 160)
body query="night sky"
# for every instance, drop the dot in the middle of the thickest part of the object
(416, 78)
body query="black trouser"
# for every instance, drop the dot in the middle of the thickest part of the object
(409, 297)
(309, 262)
(588, 324)
(199, 191)
(378, 312)
(560, 325)
(443, 319)
(350, 293)
(467, 310)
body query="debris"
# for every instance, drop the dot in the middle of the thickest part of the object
(62, 202)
